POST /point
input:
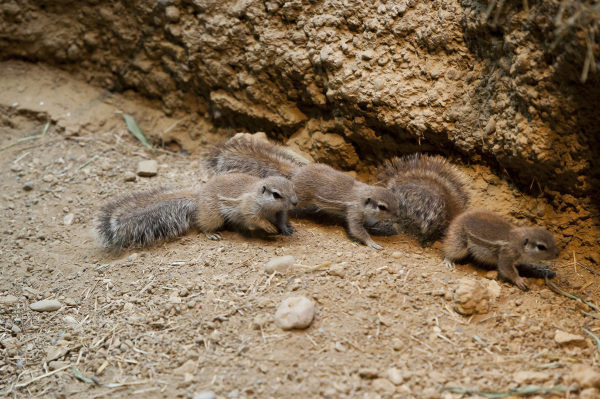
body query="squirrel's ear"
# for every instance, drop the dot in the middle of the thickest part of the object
(367, 201)
(264, 189)
(526, 241)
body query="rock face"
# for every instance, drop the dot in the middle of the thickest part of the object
(346, 78)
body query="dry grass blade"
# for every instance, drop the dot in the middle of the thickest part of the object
(555, 288)
(525, 391)
(80, 376)
(135, 129)
(591, 334)
(24, 384)
(28, 138)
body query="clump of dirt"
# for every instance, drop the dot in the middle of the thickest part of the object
(498, 81)
(194, 315)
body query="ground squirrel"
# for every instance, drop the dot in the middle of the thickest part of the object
(320, 188)
(492, 240)
(430, 193)
(236, 200)
(245, 153)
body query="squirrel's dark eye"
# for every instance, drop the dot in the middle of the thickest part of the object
(382, 207)
(541, 247)
(276, 194)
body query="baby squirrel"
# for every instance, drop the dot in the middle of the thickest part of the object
(238, 200)
(430, 192)
(492, 240)
(245, 153)
(319, 187)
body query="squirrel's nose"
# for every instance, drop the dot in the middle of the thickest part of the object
(294, 201)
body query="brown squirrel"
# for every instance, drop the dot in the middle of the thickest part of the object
(319, 187)
(236, 200)
(492, 240)
(430, 192)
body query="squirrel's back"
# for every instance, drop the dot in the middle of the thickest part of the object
(143, 218)
(255, 156)
(430, 191)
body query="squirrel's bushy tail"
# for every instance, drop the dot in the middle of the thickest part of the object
(430, 190)
(255, 156)
(144, 218)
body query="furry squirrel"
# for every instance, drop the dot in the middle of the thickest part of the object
(319, 187)
(236, 200)
(430, 192)
(492, 240)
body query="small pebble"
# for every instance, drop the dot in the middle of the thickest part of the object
(69, 301)
(147, 168)
(384, 386)
(68, 219)
(69, 319)
(129, 176)
(172, 13)
(46, 305)
(8, 300)
(397, 255)
(48, 178)
(188, 367)
(28, 186)
(204, 395)
(15, 329)
(395, 376)
(279, 264)
(564, 338)
(295, 312)
(529, 377)
(338, 270)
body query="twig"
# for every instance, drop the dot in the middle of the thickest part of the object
(24, 384)
(35, 137)
(89, 161)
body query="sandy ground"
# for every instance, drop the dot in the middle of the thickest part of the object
(194, 315)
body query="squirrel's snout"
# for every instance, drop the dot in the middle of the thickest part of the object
(294, 200)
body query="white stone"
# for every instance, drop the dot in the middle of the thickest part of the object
(8, 300)
(68, 219)
(295, 312)
(47, 305)
(69, 319)
(279, 264)
(395, 376)
(204, 395)
(147, 168)
(563, 337)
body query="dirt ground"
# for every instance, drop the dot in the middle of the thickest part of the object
(195, 315)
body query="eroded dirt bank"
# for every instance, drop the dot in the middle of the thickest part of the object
(360, 79)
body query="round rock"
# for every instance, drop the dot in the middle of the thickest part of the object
(28, 186)
(47, 305)
(296, 312)
(204, 395)
(279, 264)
